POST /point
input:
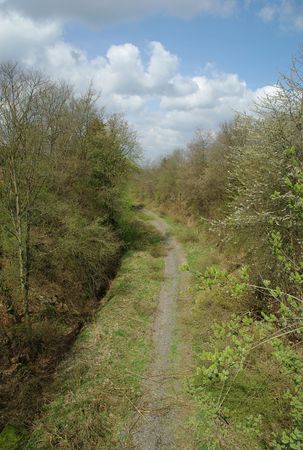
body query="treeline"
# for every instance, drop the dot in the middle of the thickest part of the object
(64, 167)
(245, 184)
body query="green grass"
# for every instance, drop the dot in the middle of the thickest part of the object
(10, 439)
(97, 387)
(254, 407)
(93, 399)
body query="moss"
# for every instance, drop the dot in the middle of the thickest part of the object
(10, 438)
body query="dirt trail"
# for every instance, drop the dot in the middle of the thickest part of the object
(159, 415)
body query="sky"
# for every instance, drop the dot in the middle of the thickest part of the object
(170, 66)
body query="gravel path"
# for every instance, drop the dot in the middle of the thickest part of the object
(158, 413)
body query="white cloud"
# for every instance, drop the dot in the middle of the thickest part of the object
(287, 12)
(22, 36)
(106, 11)
(162, 104)
(267, 13)
(162, 67)
(221, 88)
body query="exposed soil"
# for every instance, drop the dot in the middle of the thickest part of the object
(160, 412)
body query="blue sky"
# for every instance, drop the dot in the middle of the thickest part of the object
(170, 66)
(255, 49)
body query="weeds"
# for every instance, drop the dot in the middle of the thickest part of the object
(96, 388)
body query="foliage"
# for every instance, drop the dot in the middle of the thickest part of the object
(246, 184)
(242, 336)
(95, 391)
(64, 168)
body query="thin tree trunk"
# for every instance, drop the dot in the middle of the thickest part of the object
(23, 256)
(27, 275)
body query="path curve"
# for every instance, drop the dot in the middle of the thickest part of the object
(158, 411)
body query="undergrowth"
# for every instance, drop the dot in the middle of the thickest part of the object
(247, 382)
(97, 387)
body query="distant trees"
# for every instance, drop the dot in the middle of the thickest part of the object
(245, 178)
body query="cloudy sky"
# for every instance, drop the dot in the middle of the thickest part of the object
(171, 66)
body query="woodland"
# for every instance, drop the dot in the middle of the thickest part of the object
(72, 186)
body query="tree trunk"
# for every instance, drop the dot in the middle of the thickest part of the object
(26, 276)
(23, 238)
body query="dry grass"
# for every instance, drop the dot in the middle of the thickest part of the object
(97, 387)
(257, 391)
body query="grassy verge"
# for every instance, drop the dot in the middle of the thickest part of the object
(253, 408)
(97, 387)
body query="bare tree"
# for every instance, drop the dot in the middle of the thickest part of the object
(22, 138)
